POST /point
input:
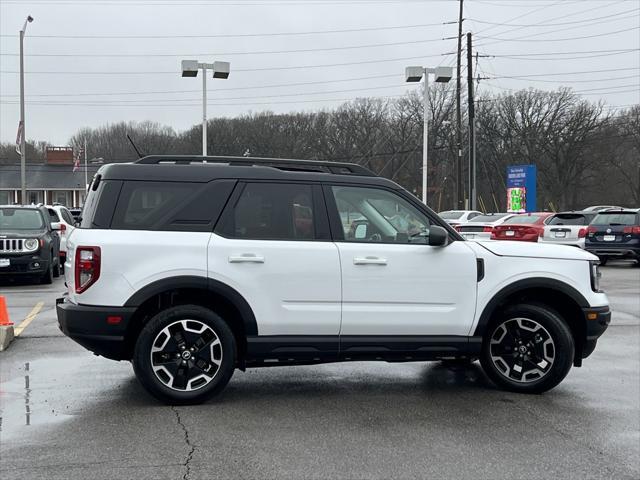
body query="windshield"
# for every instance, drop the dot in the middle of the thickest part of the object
(569, 219)
(20, 219)
(611, 218)
(489, 218)
(451, 215)
(519, 219)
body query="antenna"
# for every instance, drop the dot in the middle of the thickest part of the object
(134, 147)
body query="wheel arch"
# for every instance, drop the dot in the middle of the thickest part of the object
(182, 290)
(559, 296)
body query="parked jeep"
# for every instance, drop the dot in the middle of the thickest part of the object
(29, 245)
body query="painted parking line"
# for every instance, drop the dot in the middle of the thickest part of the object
(29, 318)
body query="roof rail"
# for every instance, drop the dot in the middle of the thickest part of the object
(282, 163)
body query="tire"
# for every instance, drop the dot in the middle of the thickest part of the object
(527, 348)
(56, 268)
(185, 355)
(47, 278)
(603, 260)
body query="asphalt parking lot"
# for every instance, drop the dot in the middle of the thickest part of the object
(68, 414)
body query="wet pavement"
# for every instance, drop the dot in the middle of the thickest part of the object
(68, 414)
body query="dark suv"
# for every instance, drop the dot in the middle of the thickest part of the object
(615, 234)
(28, 244)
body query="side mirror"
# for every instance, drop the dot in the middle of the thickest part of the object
(55, 226)
(438, 236)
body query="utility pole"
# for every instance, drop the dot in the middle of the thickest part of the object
(21, 128)
(472, 132)
(459, 183)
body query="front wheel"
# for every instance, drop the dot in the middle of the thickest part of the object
(527, 349)
(185, 355)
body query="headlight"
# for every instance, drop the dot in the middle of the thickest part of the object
(594, 269)
(31, 244)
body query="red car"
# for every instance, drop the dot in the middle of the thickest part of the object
(526, 227)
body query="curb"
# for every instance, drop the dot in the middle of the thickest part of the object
(6, 336)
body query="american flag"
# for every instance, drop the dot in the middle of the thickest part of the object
(19, 137)
(76, 162)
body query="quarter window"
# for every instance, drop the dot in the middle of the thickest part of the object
(272, 211)
(379, 216)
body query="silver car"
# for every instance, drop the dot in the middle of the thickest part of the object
(480, 227)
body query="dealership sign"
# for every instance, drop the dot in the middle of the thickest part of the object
(521, 188)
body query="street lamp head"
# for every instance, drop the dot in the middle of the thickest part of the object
(29, 19)
(221, 69)
(413, 74)
(189, 68)
(443, 74)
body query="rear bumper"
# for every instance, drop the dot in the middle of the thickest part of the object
(98, 329)
(571, 243)
(614, 251)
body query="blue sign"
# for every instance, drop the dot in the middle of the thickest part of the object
(521, 188)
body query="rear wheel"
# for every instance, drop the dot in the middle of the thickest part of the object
(527, 349)
(56, 268)
(185, 355)
(47, 278)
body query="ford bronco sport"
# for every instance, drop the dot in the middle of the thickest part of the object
(191, 267)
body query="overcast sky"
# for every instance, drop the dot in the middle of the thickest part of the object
(91, 62)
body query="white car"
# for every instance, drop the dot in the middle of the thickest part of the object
(192, 267)
(457, 217)
(61, 220)
(567, 228)
(480, 227)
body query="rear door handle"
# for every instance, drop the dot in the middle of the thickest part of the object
(369, 260)
(246, 258)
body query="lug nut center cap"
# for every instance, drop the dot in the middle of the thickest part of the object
(186, 355)
(521, 349)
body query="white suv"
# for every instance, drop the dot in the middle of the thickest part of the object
(191, 267)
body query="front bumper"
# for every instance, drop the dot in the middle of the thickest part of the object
(24, 264)
(98, 329)
(597, 320)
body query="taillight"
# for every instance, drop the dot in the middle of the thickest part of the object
(634, 230)
(63, 227)
(487, 229)
(582, 233)
(87, 264)
(533, 231)
(494, 235)
(458, 228)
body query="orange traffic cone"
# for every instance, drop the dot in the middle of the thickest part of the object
(4, 313)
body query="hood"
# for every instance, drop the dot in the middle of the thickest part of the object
(5, 233)
(505, 248)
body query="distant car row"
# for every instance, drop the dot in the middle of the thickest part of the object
(606, 231)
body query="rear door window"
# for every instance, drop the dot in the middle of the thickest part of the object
(271, 211)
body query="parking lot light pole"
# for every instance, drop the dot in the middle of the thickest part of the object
(415, 74)
(190, 68)
(21, 127)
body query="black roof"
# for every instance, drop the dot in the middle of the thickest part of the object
(204, 169)
(44, 176)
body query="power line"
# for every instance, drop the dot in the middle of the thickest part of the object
(165, 92)
(258, 52)
(528, 79)
(546, 24)
(235, 35)
(175, 72)
(498, 39)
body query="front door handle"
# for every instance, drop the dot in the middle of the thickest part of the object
(246, 258)
(369, 260)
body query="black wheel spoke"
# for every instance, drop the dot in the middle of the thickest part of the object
(164, 358)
